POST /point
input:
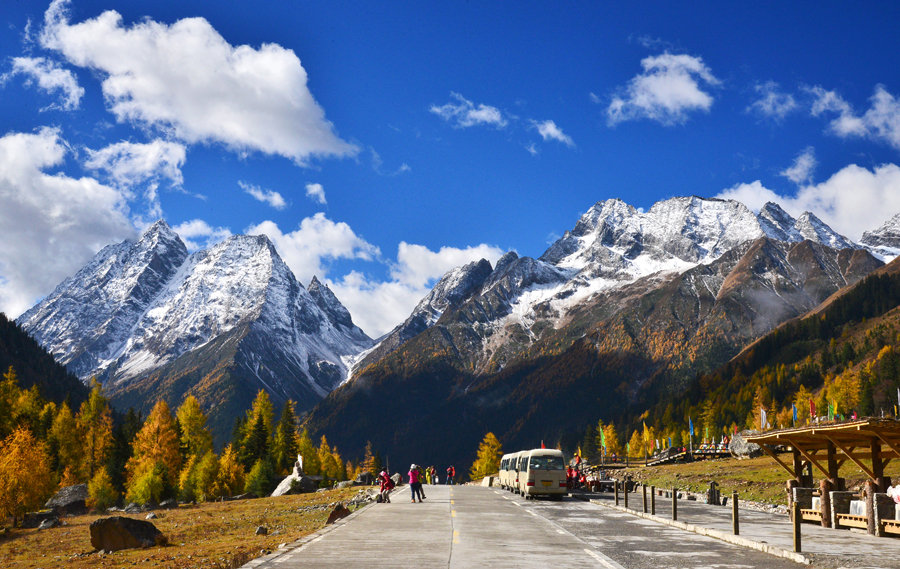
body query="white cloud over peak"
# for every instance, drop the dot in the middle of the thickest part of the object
(50, 78)
(880, 122)
(464, 113)
(187, 80)
(772, 103)
(308, 249)
(666, 91)
(316, 193)
(846, 201)
(198, 234)
(378, 306)
(52, 223)
(800, 172)
(129, 163)
(270, 197)
(549, 131)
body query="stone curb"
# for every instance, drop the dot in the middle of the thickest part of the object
(721, 535)
(293, 546)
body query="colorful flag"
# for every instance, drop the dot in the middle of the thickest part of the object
(542, 443)
(830, 412)
(762, 419)
(670, 442)
(602, 438)
(705, 433)
(812, 408)
(691, 426)
(794, 407)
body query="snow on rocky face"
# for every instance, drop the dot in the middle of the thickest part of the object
(138, 306)
(612, 245)
(884, 242)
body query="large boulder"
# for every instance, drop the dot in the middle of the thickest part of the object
(69, 500)
(365, 479)
(339, 511)
(296, 484)
(119, 532)
(35, 519)
(398, 479)
(739, 447)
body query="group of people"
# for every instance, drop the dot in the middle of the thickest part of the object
(417, 474)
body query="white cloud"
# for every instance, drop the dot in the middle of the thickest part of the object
(52, 223)
(880, 122)
(772, 103)
(465, 113)
(668, 88)
(270, 197)
(198, 234)
(187, 80)
(316, 193)
(308, 249)
(378, 306)
(50, 78)
(129, 164)
(549, 131)
(851, 201)
(800, 172)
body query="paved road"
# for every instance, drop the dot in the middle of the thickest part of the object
(470, 526)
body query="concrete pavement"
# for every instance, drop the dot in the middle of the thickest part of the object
(823, 547)
(471, 526)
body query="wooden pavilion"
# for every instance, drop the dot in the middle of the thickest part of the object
(868, 443)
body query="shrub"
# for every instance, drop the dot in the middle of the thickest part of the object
(259, 480)
(101, 493)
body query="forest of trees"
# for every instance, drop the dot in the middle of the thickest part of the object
(45, 446)
(841, 362)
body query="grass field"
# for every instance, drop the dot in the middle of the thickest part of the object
(211, 535)
(758, 479)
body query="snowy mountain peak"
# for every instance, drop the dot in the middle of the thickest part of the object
(778, 224)
(329, 303)
(814, 229)
(884, 242)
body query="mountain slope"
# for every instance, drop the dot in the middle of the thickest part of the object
(220, 323)
(625, 308)
(34, 366)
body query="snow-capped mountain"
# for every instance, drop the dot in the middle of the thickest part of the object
(884, 241)
(612, 245)
(144, 315)
(626, 308)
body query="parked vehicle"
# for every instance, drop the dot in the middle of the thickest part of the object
(541, 472)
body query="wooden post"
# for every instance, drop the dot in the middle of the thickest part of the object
(795, 511)
(870, 489)
(625, 487)
(674, 504)
(644, 493)
(616, 484)
(825, 488)
(653, 500)
(735, 524)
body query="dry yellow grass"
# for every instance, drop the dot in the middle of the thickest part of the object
(212, 535)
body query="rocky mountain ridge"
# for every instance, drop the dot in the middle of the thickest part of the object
(144, 315)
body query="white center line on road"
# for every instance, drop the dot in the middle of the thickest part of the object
(604, 560)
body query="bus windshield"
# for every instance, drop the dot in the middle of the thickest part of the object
(546, 463)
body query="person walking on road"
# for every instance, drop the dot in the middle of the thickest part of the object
(421, 482)
(414, 483)
(451, 472)
(434, 477)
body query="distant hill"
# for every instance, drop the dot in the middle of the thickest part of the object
(34, 366)
(845, 351)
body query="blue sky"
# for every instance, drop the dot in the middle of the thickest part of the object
(381, 145)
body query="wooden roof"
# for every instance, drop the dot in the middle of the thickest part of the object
(854, 440)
